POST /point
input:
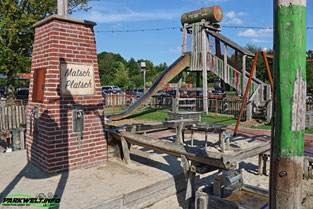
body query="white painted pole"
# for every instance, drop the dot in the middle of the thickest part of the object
(204, 71)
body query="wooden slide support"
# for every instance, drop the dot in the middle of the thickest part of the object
(195, 154)
(244, 99)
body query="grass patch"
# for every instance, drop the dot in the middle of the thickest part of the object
(309, 131)
(149, 114)
(231, 93)
(110, 110)
(157, 115)
(161, 115)
(263, 126)
(224, 120)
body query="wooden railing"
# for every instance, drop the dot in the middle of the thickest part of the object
(13, 121)
(12, 117)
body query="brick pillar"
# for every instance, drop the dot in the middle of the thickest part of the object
(51, 142)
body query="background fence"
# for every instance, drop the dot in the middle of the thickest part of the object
(218, 105)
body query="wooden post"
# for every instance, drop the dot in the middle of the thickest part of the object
(225, 72)
(126, 153)
(62, 7)
(204, 71)
(197, 92)
(289, 108)
(113, 104)
(260, 167)
(178, 93)
(215, 107)
(246, 93)
(183, 48)
(243, 74)
(179, 133)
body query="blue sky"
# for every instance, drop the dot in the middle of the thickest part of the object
(164, 46)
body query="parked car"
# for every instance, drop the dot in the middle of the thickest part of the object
(171, 92)
(22, 93)
(118, 92)
(218, 93)
(160, 93)
(128, 91)
(110, 89)
(138, 92)
(3, 91)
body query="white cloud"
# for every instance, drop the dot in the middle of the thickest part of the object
(118, 25)
(233, 18)
(258, 40)
(264, 33)
(130, 16)
(241, 14)
(231, 14)
(177, 49)
(248, 33)
(173, 50)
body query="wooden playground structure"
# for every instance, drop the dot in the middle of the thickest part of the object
(286, 159)
(67, 129)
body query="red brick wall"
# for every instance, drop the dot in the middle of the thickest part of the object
(50, 142)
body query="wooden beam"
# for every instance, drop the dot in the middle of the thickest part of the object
(204, 38)
(196, 154)
(125, 149)
(251, 151)
(243, 74)
(139, 128)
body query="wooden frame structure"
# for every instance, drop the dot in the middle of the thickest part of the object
(204, 60)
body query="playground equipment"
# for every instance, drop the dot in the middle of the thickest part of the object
(211, 14)
(200, 32)
(194, 158)
(287, 154)
(178, 66)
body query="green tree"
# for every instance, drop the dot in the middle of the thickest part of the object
(17, 32)
(120, 77)
(108, 64)
(133, 67)
(261, 71)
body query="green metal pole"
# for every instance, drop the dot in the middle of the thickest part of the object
(289, 104)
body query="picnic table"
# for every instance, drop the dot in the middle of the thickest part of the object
(207, 128)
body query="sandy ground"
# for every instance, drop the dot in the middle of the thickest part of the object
(249, 169)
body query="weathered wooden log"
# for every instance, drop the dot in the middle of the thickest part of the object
(195, 154)
(139, 128)
(191, 153)
(251, 151)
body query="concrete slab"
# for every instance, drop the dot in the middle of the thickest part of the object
(150, 177)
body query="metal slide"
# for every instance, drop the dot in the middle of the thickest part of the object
(178, 66)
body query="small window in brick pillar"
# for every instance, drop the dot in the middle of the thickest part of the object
(39, 84)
